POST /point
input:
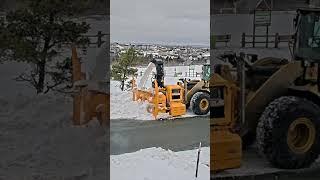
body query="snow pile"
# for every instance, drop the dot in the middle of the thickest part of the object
(38, 140)
(122, 105)
(159, 164)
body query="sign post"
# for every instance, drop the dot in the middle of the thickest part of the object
(262, 18)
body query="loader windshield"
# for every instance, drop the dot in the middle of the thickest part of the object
(308, 37)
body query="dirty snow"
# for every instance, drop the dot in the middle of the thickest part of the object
(122, 105)
(160, 164)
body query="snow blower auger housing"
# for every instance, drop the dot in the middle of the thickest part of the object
(174, 99)
(90, 100)
(168, 99)
(162, 99)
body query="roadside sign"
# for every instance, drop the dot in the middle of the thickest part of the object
(262, 17)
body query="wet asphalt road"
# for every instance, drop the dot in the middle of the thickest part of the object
(177, 135)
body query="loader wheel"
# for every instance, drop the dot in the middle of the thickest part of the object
(200, 103)
(288, 132)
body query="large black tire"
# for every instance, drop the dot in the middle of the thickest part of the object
(273, 131)
(248, 140)
(196, 103)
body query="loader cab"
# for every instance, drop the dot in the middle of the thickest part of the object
(307, 36)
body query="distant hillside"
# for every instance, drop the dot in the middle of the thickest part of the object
(94, 6)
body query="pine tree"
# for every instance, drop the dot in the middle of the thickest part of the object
(122, 69)
(35, 33)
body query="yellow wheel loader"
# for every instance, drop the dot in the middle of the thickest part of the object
(275, 102)
(197, 93)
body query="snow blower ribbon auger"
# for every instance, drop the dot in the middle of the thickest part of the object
(162, 98)
(152, 97)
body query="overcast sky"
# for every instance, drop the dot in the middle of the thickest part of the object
(160, 21)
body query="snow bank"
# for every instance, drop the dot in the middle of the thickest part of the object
(38, 139)
(159, 164)
(122, 105)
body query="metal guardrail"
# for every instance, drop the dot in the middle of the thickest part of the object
(226, 38)
(275, 39)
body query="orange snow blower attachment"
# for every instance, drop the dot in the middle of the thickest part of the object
(162, 100)
(138, 94)
(89, 101)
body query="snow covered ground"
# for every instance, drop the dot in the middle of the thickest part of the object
(122, 106)
(37, 137)
(160, 164)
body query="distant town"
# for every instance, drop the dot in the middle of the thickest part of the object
(171, 55)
